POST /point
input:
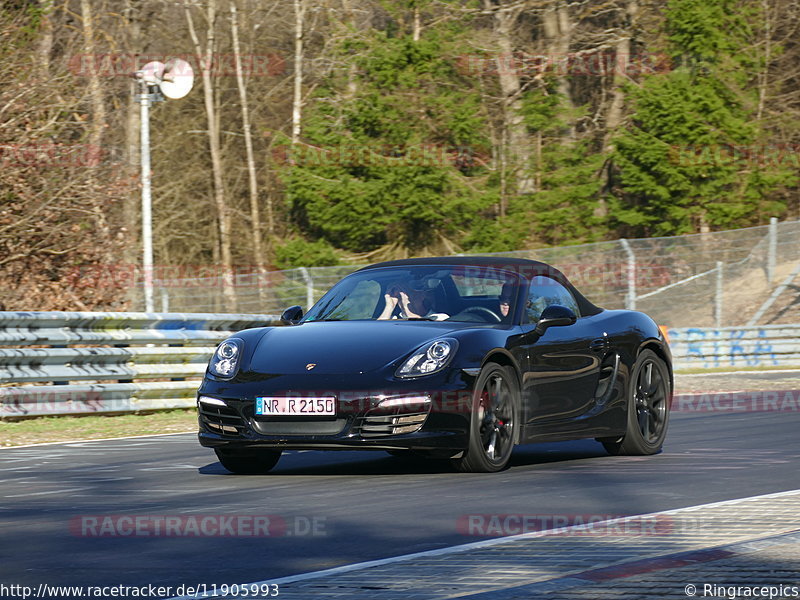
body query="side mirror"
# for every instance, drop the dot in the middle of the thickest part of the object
(292, 314)
(555, 315)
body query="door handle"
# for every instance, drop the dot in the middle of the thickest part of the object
(598, 344)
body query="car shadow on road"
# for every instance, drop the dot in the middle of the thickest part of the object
(362, 463)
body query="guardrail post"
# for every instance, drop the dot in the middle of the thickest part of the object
(309, 287)
(718, 297)
(630, 297)
(164, 301)
(772, 248)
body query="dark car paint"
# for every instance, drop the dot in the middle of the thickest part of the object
(563, 393)
(577, 388)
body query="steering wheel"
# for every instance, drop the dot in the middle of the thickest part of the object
(493, 316)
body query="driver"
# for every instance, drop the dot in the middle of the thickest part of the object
(504, 301)
(409, 301)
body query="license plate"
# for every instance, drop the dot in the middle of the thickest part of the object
(296, 407)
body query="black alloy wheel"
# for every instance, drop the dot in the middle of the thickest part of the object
(493, 421)
(649, 399)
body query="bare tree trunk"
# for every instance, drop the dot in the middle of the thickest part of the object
(255, 218)
(45, 37)
(518, 140)
(99, 120)
(417, 24)
(538, 172)
(206, 58)
(349, 13)
(95, 89)
(501, 210)
(130, 209)
(622, 61)
(763, 76)
(297, 103)
(615, 113)
(558, 34)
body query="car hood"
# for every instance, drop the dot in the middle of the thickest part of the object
(341, 347)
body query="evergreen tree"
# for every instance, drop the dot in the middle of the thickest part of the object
(390, 155)
(686, 161)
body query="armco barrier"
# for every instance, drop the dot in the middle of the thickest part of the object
(57, 363)
(735, 347)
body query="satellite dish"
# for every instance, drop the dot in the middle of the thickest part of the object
(174, 79)
(177, 78)
(151, 72)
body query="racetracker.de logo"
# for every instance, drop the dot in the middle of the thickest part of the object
(739, 402)
(373, 155)
(124, 64)
(196, 526)
(736, 155)
(50, 154)
(15, 402)
(570, 525)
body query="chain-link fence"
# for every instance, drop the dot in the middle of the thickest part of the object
(701, 280)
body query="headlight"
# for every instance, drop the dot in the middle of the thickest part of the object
(430, 358)
(225, 361)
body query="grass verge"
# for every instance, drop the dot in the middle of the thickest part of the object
(62, 429)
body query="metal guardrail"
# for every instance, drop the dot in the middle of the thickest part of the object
(57, 363)
(735, 347)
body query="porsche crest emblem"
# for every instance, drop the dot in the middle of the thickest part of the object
(310, 366)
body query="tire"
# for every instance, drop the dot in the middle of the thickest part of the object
(649, 397)
(493, 421)
(254, 462)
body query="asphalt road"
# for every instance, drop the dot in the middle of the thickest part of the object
(366, 505)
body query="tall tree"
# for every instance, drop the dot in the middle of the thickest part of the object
(382, 169)
(682, 164)
(255, 216)
(206, 56)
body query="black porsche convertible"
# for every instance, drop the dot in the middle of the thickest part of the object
(457, 358)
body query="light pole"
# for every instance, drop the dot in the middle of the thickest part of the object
(145, 99)
(155, 81)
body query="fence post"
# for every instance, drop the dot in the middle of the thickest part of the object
(164, 301)
(718, 297)
(630, 297)
(773, 248)
(309, 287)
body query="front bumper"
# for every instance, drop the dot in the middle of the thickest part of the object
(425, 414)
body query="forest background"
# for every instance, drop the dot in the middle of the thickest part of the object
(348, 131)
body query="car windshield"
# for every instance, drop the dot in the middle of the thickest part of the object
(431, 293)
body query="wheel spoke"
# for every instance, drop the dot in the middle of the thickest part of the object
(652, 424)
(501, 410)
(504, 430)
(656, 385)
(490, 450)
(644, 425)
